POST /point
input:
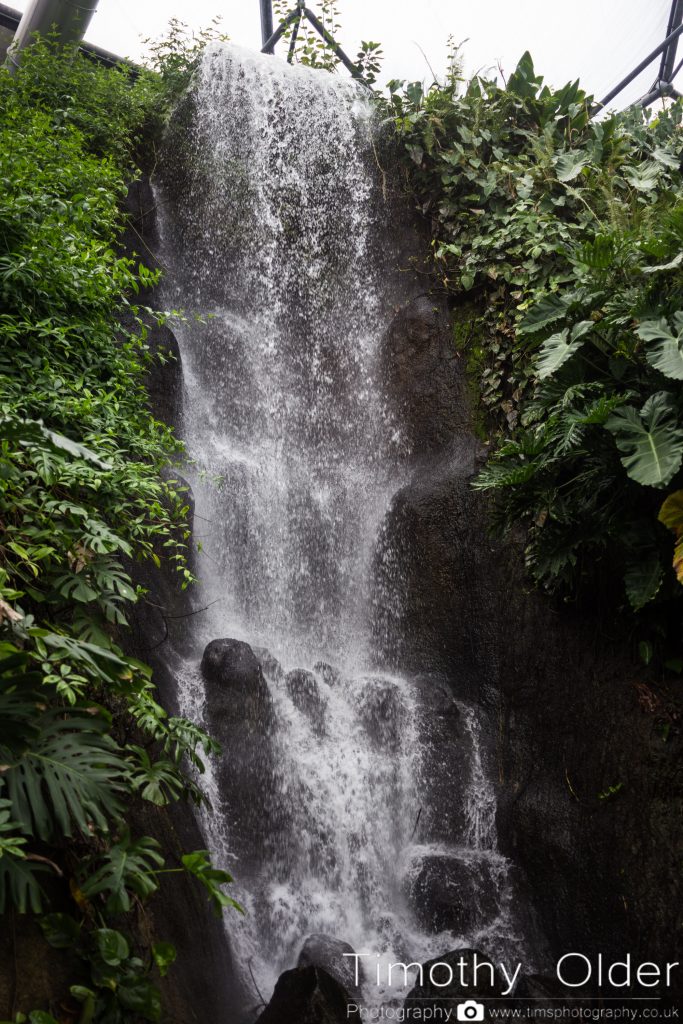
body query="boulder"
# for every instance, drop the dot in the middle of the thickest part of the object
(302, 687)
(467, 983)
(328, 673)
(236, 689)
(308, 995)
(328, 952)
(383, 712)
(270, 666)
(451, 893)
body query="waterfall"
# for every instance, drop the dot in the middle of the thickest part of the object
(365, 810)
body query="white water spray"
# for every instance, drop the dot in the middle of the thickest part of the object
(277, 233)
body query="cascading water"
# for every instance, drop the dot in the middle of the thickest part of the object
(369, 786)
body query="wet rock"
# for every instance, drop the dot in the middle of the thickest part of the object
(164, 376)
(445, 769)
(328, 673)
(383, 712)
(236, 689)
(423, 373)
(270, 666)
(302, 687)
(308, 995)
(328, 952)
(472, 979)
(449, 893)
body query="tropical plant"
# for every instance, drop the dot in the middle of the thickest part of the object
(564, 236)
(82, 499)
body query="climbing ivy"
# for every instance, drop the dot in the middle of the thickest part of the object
(82, 498)
(564, 234)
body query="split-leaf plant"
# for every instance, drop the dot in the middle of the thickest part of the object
(82, 496)
(560, 235)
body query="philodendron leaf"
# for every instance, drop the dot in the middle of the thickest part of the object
(651, 441)
(570, 164)
(664, 353)
(643, 578)
(544, 312)
(557, 349)
(671, 514)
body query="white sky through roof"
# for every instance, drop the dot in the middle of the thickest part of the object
(598, 41)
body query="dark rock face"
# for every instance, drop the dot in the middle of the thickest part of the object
(447, 892)
(302, 687)
(165, 375)
(308, 995)
(474, 981)
(446, 764)
(327, 952)
(570, 718)
(140, 238)
(421, 371)
(443, 618)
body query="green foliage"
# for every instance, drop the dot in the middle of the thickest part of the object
(213, 879)
(567, 235)
(82, 498)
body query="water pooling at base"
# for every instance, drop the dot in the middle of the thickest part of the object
(372, 822)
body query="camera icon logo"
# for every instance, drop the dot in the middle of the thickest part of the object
(470, 1011)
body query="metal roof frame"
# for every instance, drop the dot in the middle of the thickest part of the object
(270, 37)
(668, 69)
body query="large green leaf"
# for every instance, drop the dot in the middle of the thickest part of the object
(665, 353)
(71, 777)
(651, 441)
(19, 886)
(557, 349)
(128, 865)
(643, 177)
(213, 879)
(643, 578)
(141, 997)
(671, 514)
(570, 164)
(32, 432)
(544, 312)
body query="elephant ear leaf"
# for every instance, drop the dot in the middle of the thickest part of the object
(664, 350)
(650, 441)
(558, 348)
(570, 163)
(671, 514)
(643, 578)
